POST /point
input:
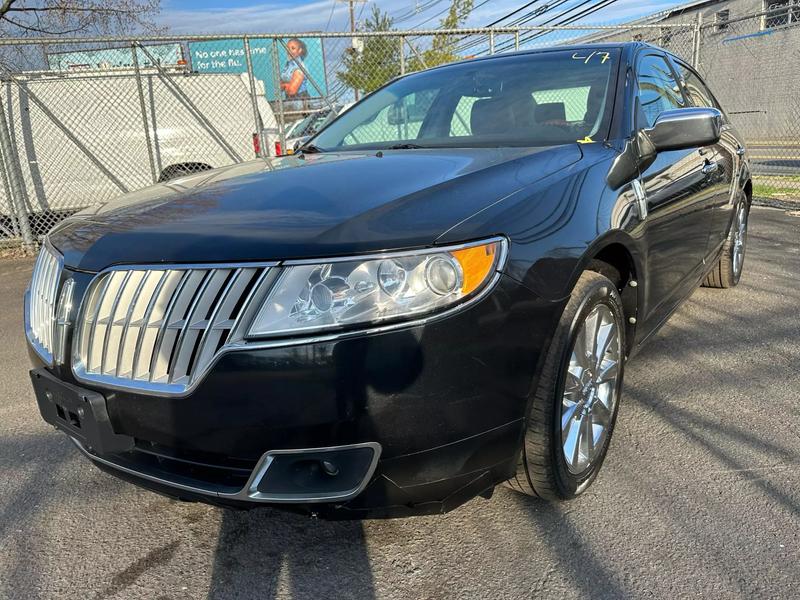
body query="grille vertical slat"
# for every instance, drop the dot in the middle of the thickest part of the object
(172, 324)
(195, 323)
(43, 286)
(101, 320)
(42, 300)
(152, 324)
(126, 324)
(155, 328)
(222, 313)
(109, 349)
(34, 297)
(163, 278)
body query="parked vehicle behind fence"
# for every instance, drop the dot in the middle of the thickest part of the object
(397, 319)
(82, 133)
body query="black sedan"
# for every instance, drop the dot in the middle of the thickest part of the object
(438, 294)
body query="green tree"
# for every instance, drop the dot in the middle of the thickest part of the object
(379, 60)
(444, 47)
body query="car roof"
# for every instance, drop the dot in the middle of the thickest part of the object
(631, 46)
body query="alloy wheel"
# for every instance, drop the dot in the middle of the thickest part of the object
(590, 389)
(739, 238)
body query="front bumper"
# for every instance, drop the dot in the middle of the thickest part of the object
(443, 404)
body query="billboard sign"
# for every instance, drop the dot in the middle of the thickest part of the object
(110, 58)
(227, 56)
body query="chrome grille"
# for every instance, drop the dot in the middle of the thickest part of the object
(158, 329)
(42, 301)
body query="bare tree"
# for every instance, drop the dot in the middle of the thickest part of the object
(67, 19)
(30, 18)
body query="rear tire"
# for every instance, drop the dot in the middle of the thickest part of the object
(728, 270)
(567, 384)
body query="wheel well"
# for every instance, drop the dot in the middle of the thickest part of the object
(615, 262)
(181, 169)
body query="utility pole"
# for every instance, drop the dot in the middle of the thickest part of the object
(352, 4)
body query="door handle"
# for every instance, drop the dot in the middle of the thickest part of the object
(740, 151)
(711, 166)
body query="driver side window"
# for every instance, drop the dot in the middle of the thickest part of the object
(658, 90)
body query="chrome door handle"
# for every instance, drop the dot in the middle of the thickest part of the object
(710, 167)
(740, 151)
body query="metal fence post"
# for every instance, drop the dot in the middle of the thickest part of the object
(402, 39)
(142, 107)
(491, 41)
(253, 99)
(14, 233)
(698, 31)
(516, 40)
(16, 185)
(276, 75)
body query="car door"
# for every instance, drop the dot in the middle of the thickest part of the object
(677, 194)
(727, 155)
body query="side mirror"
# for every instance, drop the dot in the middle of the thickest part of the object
(677, 129)
(685, 128)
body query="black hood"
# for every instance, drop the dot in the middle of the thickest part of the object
(301, 207)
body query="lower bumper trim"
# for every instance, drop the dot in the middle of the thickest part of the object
(260, 489)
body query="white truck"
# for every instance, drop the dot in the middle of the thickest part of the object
(82, 137)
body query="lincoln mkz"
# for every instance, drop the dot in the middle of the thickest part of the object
(437, 294)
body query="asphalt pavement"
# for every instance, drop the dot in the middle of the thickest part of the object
(699, 497)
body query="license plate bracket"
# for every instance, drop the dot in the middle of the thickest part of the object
(78, 412)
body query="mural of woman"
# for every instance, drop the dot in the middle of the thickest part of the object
(293, 80)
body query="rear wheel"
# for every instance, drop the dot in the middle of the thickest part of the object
(728, 270)
(574, 407)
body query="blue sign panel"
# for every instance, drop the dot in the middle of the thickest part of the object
(227, 56)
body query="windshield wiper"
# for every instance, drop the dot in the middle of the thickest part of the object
(405, 147)
(309, 149)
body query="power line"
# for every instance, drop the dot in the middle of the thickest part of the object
(525, 18)
(585, 13)
(330, 16)
(513, 12)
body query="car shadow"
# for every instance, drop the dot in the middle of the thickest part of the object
(573, 552)
(270, 553)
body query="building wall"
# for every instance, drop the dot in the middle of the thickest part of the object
(751, 69)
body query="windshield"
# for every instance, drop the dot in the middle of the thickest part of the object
(540, 99)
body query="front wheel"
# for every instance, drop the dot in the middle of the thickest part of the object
(574, 408)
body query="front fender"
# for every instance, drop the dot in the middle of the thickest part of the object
(558, 225)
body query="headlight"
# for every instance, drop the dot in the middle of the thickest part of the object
(351, 292)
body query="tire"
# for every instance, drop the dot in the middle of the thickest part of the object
(181, 170)
(544, 469)
(728, 269)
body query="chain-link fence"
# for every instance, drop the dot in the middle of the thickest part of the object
(82, 121)
(751, 65)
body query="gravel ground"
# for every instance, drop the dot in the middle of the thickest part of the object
(700, 495)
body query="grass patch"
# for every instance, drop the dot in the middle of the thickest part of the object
(777, 188)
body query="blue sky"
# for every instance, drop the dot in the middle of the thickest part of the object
(233, 16)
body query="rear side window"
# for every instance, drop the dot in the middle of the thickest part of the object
(658, 90)
(698, 93)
